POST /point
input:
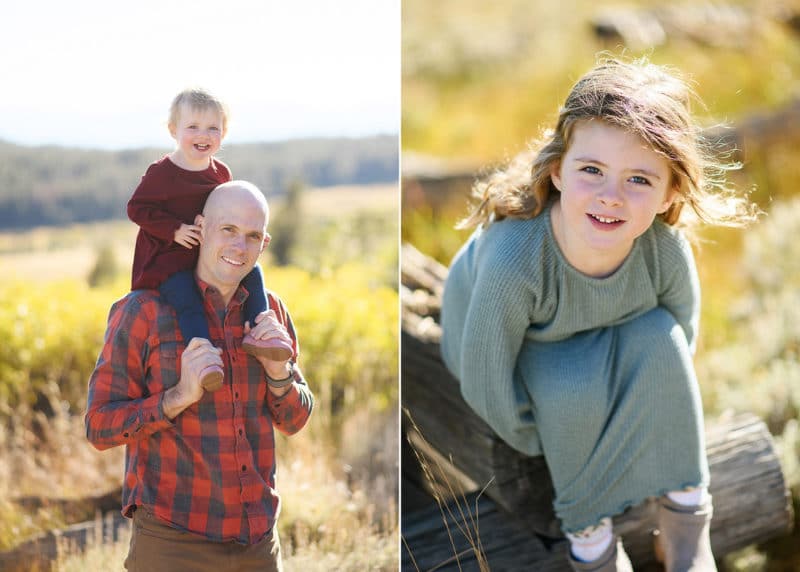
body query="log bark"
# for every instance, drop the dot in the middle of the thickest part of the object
(751, 498)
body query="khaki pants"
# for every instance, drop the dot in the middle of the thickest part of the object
(157, 547)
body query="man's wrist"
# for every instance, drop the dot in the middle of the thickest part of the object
(283, 379)
(172, 403)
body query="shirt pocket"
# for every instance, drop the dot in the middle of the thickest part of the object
(163, 367)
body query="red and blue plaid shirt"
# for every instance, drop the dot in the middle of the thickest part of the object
(211, 470)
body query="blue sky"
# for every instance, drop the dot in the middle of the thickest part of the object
(101, 74)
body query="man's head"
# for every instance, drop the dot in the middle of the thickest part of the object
(233, 229)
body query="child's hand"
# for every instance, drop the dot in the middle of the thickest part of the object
(188, 235)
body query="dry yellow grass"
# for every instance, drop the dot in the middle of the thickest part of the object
(349, 199)
(73, 263)
(330, 520)
(45, 254)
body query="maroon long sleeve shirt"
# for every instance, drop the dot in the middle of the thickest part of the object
(166, 197)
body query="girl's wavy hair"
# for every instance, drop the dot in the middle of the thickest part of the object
(648, 100)
(198, 99)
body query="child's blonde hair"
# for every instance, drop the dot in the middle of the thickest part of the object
(642, 98)
(197, 99)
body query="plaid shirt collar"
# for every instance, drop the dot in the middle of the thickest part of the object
(213, 294)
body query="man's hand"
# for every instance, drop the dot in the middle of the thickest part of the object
(188, 235)
(197, 356)
(268, 326)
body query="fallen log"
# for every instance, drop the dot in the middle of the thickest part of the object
(751, 498)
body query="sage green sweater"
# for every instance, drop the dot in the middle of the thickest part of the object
(588, 371)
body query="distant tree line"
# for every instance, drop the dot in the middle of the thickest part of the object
(60, 185)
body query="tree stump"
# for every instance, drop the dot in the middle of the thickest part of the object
(751, 498)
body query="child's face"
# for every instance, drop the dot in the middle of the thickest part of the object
(198, 133)
(612, 187)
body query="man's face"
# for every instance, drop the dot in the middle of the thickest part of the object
(233, 238)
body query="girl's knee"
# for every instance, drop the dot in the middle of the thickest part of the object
(656, 331)
(657, 320)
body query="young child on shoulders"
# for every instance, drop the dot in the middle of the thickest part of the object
(171, 194)
(570, 316)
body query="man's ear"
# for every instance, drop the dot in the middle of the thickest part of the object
(265, 242)
(198, 220)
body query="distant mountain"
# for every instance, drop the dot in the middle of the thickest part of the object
(59, 185)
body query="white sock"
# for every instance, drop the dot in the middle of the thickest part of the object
(690, 497)
(589, 544)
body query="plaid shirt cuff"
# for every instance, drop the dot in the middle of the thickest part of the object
(151, 416)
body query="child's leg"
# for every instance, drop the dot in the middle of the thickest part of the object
(180, 292)
(591, 543)
(257, 299)
(271, 348)
(596, 549)
(690, 497)
(619, 415)
(684, 540)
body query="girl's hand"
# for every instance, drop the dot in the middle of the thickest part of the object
(188, 235)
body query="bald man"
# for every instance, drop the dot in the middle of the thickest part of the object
(200, 466)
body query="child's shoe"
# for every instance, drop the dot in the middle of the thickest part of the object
(683, 543)
(272, 348)
(211, 378)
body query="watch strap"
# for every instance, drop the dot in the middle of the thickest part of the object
(279, 383)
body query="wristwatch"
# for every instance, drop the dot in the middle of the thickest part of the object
(278, 383)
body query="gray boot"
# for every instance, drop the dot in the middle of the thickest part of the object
(613, 559)
(683, 542)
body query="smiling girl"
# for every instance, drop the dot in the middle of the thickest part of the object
(570, 316)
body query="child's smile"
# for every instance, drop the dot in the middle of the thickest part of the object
(612, 187)
(198, 133)
(603, 222)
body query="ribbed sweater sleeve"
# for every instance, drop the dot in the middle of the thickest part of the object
(679, 290)
(486, 310)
